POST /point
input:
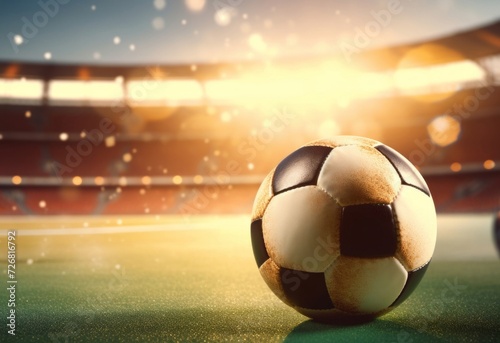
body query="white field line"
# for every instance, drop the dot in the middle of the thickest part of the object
(181, 226)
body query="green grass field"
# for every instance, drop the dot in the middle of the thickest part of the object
(200, 283)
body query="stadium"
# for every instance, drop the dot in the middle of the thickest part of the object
(130, 187)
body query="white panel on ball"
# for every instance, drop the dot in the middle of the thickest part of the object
(355, 175)
(365, 285)
(264, 195)
(271, 275)
(301, 229)
(344, 140)
(416, 215)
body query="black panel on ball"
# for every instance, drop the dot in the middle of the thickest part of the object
(414, 278)
(407, 172)
(304, 289)
(259, 248)
(300, 168)
(368, 231)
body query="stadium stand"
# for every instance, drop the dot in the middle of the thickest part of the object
(186, 150)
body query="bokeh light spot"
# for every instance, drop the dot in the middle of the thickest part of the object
(444, 130)
(77, 180)
(489, 164)
(455, 167)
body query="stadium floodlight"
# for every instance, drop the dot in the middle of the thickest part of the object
(447, 77)
(21, 89)
(492, 65)
(78, 92)
(274, 86)
(313, 87)
(175, 92)
(375, 84)
(226, 91)
(251, 91)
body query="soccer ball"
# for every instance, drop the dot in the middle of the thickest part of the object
(343, 228)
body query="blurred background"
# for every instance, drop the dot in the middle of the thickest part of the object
(134, 136)
(181, 107)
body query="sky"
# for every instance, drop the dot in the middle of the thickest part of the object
(211, 31)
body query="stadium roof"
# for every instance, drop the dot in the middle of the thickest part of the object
(473, 44)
